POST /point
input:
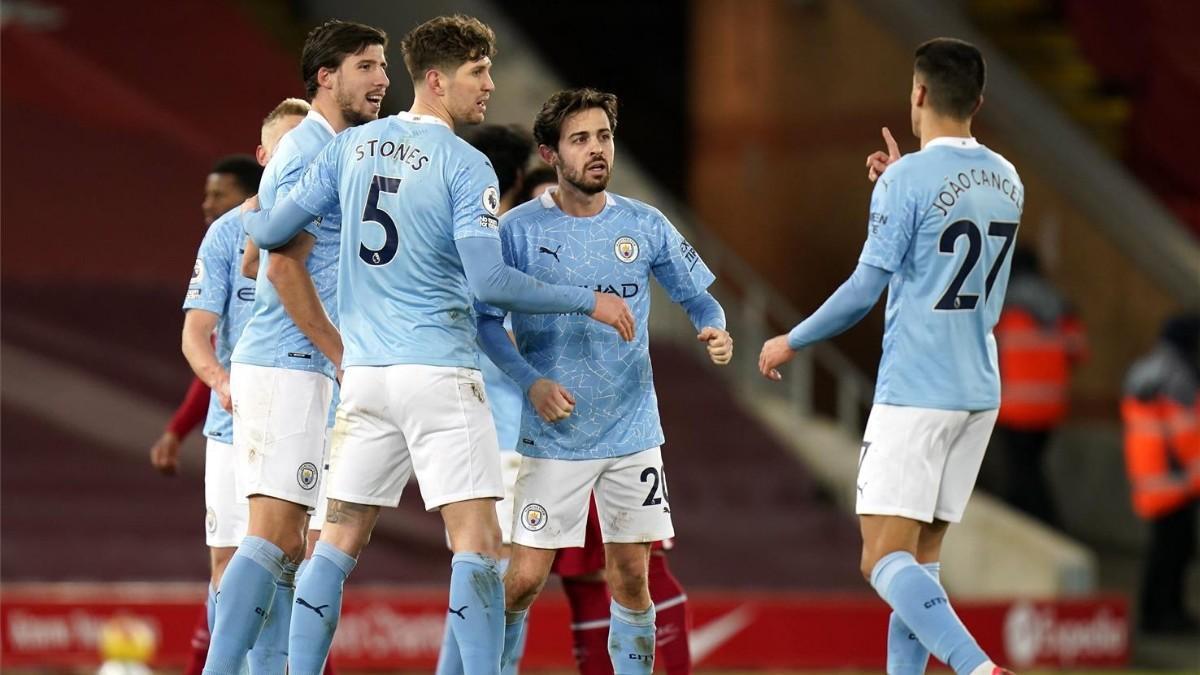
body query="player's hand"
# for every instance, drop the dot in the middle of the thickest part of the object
(775, 353)
(720, 344)
(878, 161)
(221, 387)
(164, 454)
(250, 204)
(551, 400)
(615, 312)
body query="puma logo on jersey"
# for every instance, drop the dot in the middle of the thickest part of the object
(543, 249)
(302, 603)
(459, 612)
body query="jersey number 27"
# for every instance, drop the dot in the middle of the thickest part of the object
(952, 300)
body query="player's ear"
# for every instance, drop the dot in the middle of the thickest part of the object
(919, 92)
(260, 154)
(325, 77)
(547, 154)
(436, 81)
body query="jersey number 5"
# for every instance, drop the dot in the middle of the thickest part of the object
(952, 300)
(373, 214)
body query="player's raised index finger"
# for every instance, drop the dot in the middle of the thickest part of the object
(893, 148)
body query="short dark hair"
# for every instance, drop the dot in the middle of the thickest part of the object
(954, 73)
(330, 43)
(547, 126)
(533, 178)
(245, 171)
(446, 41)
(507, 147)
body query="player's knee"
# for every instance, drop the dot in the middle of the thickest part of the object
(293, 546)
(867, 563)
(521, 587)
(627, 579)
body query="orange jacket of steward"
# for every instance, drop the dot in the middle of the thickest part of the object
(1039, 341)
(1162, 436)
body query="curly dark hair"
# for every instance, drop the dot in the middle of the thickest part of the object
(547, 126)
(446, 42)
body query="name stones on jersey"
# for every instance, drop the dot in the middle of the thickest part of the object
(626, 249)
(400, 152)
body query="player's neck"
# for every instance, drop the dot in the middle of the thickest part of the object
(943, 127)
(328, 108)
(434, 108)
(577, 203)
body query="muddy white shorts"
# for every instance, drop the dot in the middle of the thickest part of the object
(279, 422)
(398, 420)
(552, 495)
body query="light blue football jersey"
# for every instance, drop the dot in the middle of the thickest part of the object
(615, 251)
(271, 338)
(218, 286)
(944, 221)
(505, 399)
(407, 188)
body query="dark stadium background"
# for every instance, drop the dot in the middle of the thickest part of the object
(751, 118)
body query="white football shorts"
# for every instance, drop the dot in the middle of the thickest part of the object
(552, 495)
(317, 519)
(433, 421)
(279, 418)
(921, 463)
(225, 514)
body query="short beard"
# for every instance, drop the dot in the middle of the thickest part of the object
(587, 189)
(352, 116)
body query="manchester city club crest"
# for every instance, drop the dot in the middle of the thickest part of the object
(626, 249)
(534, 517)
(306, 475)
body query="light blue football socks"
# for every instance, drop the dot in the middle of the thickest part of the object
(476, 612)
(247, 594)
(317, 608)
(921, 603)
(631, 640)
(905, 653)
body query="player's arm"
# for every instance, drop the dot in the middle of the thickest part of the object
(197, 345)
(708, 317)
(474, 203)
(890, 228)
(287, 272)
(250, 258)
(551, 400)
(303, 195)
(846, 307)
(495, 283)
(685, 277)
(270, 229)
